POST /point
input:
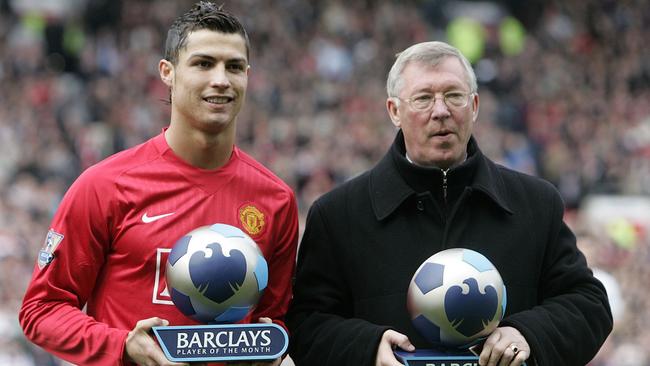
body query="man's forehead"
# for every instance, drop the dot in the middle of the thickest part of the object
(449, 71)
(445, 62)
(214, 43)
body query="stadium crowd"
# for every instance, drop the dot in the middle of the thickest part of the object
(564, 86)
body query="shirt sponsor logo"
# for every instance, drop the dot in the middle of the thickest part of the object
(149, 219)
(46, 254)
(252, 219)
(160, 290)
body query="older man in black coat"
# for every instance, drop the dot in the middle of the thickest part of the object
(434, 190)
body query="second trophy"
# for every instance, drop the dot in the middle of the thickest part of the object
(456, 299)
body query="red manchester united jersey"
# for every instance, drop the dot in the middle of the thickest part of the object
(109, 241)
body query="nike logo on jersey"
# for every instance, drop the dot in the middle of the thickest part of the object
(149, 219)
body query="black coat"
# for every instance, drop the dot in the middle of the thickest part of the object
(364, 240)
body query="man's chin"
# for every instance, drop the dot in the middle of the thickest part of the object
(442, 161)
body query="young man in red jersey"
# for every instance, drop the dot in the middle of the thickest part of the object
(109, 240)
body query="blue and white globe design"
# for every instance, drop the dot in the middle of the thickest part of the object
(456, 298)
(216, 274)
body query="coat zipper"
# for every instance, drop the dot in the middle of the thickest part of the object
(456, 207)
(444, 185)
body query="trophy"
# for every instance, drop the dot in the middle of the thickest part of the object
(456, 298)
(216, 274)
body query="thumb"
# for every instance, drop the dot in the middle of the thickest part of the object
(406, 345)
(149, 323)
(400, 340)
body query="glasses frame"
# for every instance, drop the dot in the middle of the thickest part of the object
(432, 103)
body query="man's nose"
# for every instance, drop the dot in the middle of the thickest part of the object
(440, 109)
(219, 77)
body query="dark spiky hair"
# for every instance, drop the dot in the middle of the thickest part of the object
(203, 15)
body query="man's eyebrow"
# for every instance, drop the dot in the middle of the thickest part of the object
(206, 56)
(446, 87)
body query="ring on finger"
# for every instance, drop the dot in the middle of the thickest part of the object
(514, 348)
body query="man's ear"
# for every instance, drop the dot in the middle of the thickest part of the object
(166, 71)
(475, 105)
(392, 105)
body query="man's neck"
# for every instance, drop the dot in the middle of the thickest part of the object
(205, 151)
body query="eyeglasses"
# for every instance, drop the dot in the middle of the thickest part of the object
(425, 101)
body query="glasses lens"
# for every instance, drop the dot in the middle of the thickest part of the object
(456, 99)
(422, 101)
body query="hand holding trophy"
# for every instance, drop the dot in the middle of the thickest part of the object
(216, 274)
(456, 299)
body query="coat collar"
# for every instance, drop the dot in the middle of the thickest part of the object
(389, 189)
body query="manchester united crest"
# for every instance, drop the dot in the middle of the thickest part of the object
(252, 219)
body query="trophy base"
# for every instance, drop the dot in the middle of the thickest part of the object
(432, 357)
(223, 342)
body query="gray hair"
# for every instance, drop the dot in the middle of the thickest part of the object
(429, 53)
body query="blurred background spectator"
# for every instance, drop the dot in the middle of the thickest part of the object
(564, 85)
